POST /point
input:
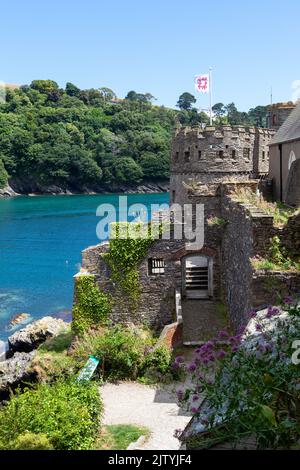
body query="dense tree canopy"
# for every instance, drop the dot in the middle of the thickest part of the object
(88, 138)
(82, 138)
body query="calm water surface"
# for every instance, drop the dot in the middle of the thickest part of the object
(41, 239)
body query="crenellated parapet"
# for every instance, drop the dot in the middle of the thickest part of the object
(217, 153)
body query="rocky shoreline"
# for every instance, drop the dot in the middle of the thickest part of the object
(19, 189)
(15, 370)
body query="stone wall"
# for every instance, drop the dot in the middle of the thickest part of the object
(248, 233)
(157, 301)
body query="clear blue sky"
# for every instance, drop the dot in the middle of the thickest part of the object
(155, 46)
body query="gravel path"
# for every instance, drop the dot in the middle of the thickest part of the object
(149, 406)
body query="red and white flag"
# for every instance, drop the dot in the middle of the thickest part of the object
(202, 83)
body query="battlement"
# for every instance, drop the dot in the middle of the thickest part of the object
(225, 149)
(220, 132)
(215, 154)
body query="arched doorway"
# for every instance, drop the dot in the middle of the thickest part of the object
(197, 277)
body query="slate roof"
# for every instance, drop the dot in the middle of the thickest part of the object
(290, 129)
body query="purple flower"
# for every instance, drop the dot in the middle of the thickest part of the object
(272, 311)
(252, 314)
(180, 393)
(234, 349)
(288, 300)
(194, 409)
(221, 354)
(179, 359)
(191, 367)
(195, 398)
(258, 327)
(223, 334)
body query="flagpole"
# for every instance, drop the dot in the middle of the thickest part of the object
(210, 95)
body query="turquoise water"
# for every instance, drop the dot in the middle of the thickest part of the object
(41, 239)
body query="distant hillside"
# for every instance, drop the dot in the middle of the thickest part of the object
(76, 138)
(88, 139)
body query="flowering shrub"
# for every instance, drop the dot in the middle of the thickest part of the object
(247, 385)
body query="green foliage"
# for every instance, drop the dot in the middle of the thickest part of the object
(250, 387)
(127, 352)
(31, 441)
(128, 245)
(66, 412)
(158, 360)
(119, 436)
(278, 259)
(186, 100)
(3, 175)
(92, 307)
(66, 137)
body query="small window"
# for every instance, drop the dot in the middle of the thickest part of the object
(233, 154)
(173, 195)
(263, 156)
(246, 153)
(187, 155)
(221, 154)
(176, 156)
(156, 266)
(199, 154)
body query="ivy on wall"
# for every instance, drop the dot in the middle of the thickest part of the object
(92, 306)
(129, 244)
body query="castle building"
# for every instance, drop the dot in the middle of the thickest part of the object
(278, 113)
(198, 291)
(285, 160)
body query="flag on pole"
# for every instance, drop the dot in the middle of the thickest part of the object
(202, 84)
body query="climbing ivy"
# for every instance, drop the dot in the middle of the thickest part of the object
(128, 245)
(92, 306)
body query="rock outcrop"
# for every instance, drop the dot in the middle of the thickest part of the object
(29, 338)
(15, 371)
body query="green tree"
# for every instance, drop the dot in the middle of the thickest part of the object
(185, 101)
(72, 90)
(127, 170)
(219, 109)
(107, 94)
(3, 175)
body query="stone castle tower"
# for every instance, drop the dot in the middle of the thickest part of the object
(217, 154)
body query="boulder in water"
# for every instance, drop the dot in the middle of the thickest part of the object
(30, 337)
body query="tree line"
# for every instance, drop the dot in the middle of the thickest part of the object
(79, 139)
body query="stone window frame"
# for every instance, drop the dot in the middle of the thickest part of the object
(156, 266)
(246, 153)
(187, 155)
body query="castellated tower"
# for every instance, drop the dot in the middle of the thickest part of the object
(215, 154)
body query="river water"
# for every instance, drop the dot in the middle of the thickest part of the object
(41, 239)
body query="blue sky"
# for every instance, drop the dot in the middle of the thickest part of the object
(156, 46)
